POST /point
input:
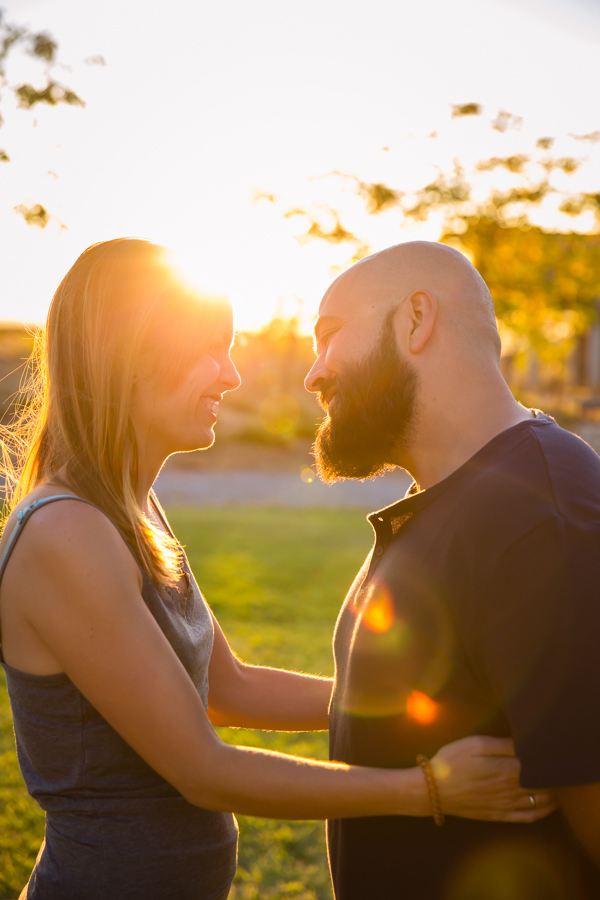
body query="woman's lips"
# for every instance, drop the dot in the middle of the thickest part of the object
(211, 405)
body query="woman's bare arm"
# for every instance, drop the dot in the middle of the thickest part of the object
(82, 597)
(245, 696)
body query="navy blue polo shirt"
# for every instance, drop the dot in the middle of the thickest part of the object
(477, 612)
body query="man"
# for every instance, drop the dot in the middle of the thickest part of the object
(478, 610)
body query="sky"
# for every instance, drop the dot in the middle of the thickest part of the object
(202, 105)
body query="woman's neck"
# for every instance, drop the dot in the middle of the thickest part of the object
(147, 475)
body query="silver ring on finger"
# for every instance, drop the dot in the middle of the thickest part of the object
(533, 801)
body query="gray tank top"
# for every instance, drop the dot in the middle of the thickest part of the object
(114, 828)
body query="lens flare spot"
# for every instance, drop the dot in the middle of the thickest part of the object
(379, 613)
(511, 871)
(422, 708)
(308, 475)
(441, 769)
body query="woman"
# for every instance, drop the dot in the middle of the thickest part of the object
(108, 646)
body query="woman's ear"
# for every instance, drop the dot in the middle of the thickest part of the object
(421, 311)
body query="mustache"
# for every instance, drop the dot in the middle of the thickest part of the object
(324, 385)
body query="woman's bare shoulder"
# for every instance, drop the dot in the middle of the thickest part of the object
(41, 492)
(69, 561)
(61, 531)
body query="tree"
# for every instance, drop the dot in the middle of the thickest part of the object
(545, 283)
(42, 48)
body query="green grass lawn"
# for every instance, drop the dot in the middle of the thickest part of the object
(275, 580)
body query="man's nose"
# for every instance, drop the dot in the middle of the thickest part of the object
(318, 373)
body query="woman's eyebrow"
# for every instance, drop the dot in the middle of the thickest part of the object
(225, 335)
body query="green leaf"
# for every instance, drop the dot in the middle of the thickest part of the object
(466, 109)
(34, 215)
(43, 46)
(52, 94)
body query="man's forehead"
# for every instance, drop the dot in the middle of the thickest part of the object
(343, 299)
(354, 295)
(322, 323)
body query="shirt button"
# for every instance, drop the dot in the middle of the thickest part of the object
(378, 550)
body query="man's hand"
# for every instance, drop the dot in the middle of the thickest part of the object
(478, 778)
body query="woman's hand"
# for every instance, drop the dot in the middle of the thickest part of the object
(478, 778)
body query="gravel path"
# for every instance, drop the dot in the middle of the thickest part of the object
(184, 488)
(181, 487)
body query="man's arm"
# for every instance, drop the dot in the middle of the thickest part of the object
(581, 806)
(246, 696)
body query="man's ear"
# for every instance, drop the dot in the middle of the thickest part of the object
(420, 310)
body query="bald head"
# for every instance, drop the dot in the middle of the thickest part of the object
(464, 303)
(407, 366)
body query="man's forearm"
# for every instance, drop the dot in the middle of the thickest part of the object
(273, 699)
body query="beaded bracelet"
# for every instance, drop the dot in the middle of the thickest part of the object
(432, 789)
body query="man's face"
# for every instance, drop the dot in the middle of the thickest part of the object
(371, 405)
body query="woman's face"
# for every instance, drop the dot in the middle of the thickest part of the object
(170, 418)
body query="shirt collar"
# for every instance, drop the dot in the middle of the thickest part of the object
(416, 499)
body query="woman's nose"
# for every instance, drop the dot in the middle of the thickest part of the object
(230, 376)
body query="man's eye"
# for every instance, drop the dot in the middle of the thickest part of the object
(325, 338)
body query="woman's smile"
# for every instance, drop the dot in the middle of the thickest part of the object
(211, 404)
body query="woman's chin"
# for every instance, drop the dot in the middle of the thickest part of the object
(206, 440)
(197, 441)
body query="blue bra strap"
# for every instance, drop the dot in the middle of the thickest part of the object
(22, 517)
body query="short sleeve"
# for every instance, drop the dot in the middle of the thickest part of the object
(536, 637)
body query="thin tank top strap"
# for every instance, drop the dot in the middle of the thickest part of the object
(28, 511)
(160, 511)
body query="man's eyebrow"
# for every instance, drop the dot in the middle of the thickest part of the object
(324, 322)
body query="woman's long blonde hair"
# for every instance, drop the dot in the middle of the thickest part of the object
(120, 299)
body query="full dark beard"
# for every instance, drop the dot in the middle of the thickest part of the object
(373, 415)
